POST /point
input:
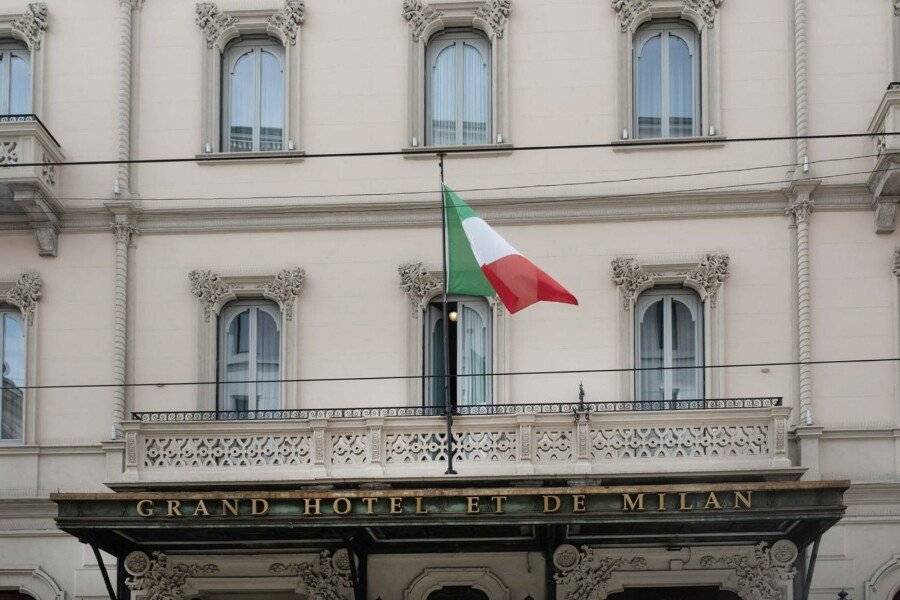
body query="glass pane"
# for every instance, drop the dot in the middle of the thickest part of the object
(235, 390)
(649, 89)
(474, 357)
(443, 97)
(476, 103)
(243, 100)
(13, 370)
(685, 382)
(681, 88)
(271, 103)
(19, 86)
(268, 349)
(650, 340)
(437, 362)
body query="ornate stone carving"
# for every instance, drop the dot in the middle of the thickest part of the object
(897, 8)
(707, 8)
(718, 441)
(326, 578)
(418, 283)
(761, 573)
(551, 445)
(285, 287)
(630, 277)
(123, 232)
(137, 563)
(419, 14)
(46, 235)
(209, 289)
(349, 449)
(895, 269)
(288, 19)
(476, 446)
(32, 24)
(227, 451)
(710, 274)
(800, 209)
(583, 573)
(48, 171)
(161, 580)
(9, 153)
(212, 21)
(496, 13)
(25, 294)
(628, 10)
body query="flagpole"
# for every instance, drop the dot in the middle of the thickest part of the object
(448, 407)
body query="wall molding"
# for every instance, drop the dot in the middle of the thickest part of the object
(31, 580)
(884, 581)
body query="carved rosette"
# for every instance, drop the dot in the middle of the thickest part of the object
(628, 274)
(326, 578)
(763, 572)
(209, 289)
(709, 275)
(25, 294)
(496, 13)
(287, 20)
(419, 14)
(418, 283)
(212, 21)
(160, 580)
(285, 287)
(32, 24)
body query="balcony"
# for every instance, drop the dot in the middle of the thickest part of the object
(884, 180)
(28, 178)
(688, 437)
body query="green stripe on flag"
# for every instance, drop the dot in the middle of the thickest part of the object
(465, 276)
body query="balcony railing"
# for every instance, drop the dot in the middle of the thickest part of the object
(312, 445)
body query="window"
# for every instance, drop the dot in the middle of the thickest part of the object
(458, 93)
(457, 592)
(249, 351)
(469, 334)
(666, 80)
(12, 359)
(253, 96)
(668, 333)
(15, 79)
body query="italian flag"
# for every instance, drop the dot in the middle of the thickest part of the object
(481, 263)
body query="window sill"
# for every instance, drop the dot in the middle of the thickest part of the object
(225, 158)
(475, 150)
(669, 143)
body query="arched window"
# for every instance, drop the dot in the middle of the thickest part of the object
(249, 351)
(666, 80)
(15, 79)
(668, 333)
(253, 95)
(12, 359)
(458, 88)
(469, 335)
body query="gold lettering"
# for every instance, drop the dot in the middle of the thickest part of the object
(556, 502)
(259, 506)
(396, 506)
(682, 505)
(420, 510)
(472, 504)
(578, 503)
(740, 498)
(345, 502)
(230, 506)
(173, 508)
(498, 503)
(312, 506)
(712, 501)
(369, 502)
(200, 509)
(661, 502)
(145, 512)
(631, 503)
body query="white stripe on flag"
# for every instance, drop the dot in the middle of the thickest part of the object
(487, 245)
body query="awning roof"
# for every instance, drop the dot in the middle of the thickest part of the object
(454, 519)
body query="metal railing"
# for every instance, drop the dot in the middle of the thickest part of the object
(437, 411)
(28, 118)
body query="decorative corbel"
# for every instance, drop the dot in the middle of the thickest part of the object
(419, 14)
(631, 278)
(287, 20)
(32, 24)
(419, 284)
(496, 13)
(709, 275)
(212, 21)
(285, 287)
(25, 294)
(209, 289)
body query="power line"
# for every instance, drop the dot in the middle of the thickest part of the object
(161, 384)
(485, 189)
(455, 150)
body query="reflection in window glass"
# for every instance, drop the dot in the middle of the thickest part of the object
(12, 359)
(250, 360)
(15, 80)
(254, 105)
(469, 346)
(666, 80)
(458, 89)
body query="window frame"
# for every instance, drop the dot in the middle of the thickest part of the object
(228, 313)
(9, 310)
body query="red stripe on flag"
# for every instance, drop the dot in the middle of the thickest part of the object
(519, 283)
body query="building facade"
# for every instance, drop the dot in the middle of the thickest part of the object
(220, 370)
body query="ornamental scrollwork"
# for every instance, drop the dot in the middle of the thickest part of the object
(895, 268)
(212, 21)
(629, 10)
(630, 276)
(285, 287)
(326, 578)
(209, 289)
(496, 13)
(762, 573)
(32, 24)
(582, 572)
(123, 232)
(9, 153)
(419, 14)
(25, 293)
(287, 20)
(160, 580)
(418, 283)
(707, 8)
(709, 275)
(800, 209)
(897, 8)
